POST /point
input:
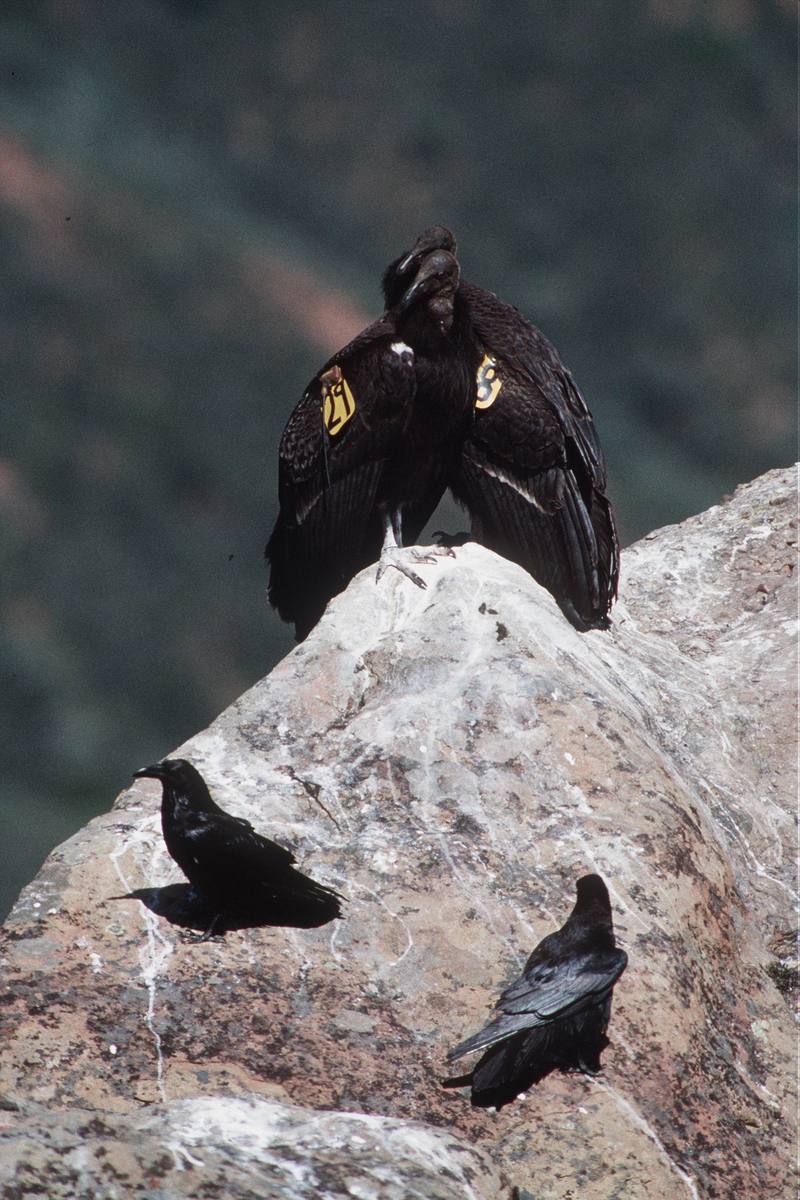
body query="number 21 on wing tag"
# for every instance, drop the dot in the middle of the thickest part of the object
(338, 404)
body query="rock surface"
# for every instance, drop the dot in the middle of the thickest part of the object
(231, 1148)
(452, 760)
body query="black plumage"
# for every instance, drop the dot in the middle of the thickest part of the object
(232, 867)
(366, 454)
(531, 471)
(555, 1016)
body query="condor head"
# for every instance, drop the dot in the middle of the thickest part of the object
(399, 274)
(434, 286)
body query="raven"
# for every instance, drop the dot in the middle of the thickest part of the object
(556, 1014)
(230, 865)
(367, 452)
(530, 471)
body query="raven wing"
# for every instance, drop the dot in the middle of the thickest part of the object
(549, 991)
(231, 847)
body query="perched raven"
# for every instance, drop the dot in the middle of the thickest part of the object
(530, 472)
(230, 865)
(556, 1014)
(367, 452)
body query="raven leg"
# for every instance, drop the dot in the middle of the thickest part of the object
(208, 936)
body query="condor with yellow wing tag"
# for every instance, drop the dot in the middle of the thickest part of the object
(365, 455)
(532, 474)
(489, 383)
(338, 404)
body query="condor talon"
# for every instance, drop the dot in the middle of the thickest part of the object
(396, 558)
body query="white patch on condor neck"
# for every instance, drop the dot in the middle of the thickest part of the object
(401, 348)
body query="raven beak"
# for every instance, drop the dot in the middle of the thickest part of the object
(154, 772)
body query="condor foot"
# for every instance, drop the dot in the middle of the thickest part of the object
(397, 557)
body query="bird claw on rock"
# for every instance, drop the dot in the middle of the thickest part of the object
(208, 936)
(396, 557)
(431, 554)
(194, 939)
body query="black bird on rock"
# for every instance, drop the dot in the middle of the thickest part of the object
(366, 454)
(231, 866)
(531, 471)
(555, 1016)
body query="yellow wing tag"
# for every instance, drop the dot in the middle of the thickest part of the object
(489, 383)
(338, 404)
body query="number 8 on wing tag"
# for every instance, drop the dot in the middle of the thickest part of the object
(489, 383)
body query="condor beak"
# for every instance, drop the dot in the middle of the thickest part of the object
(407, 262)
(437, 270)
(420, 287)
(436, 237)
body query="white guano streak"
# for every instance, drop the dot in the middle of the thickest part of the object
(153, 955)
(649, 1132)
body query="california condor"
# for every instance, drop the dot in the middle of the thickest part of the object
(555, 1016)
(531, 472)
(367, 453)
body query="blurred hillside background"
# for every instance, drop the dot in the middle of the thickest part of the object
(197, 201)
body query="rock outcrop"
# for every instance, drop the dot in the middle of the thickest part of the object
(220, 1146)
(452, 760)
